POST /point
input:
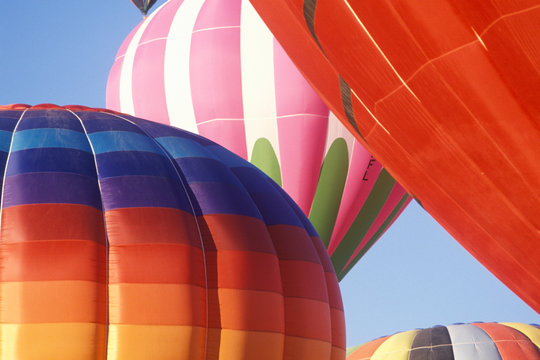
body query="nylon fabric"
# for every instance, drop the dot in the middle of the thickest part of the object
(167, 248)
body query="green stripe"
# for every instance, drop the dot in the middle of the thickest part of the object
(363, 221)
(327, 199)
(375, 236)
(264, 157)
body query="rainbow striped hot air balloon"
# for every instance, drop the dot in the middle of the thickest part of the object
(213, 68)
(126, 239)
(486, 341)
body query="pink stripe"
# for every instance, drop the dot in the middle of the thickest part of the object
(215, 76)
(219, 13)
(112, 98)
(355, 193)
(393, 199)
(302, 128)
(148, 69)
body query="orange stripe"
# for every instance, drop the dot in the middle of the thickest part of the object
(251, 310)
(52, 222)
(156, 263)
(511, 343)
(308, 319)
(304, 279)
(53, 341)
(52, 302)
(157, 304)
(248, 270)
(151, 225)
(251, 345)
(53, 260)
(366, 350)
(134, 342)
(302, 348)
(235, 232)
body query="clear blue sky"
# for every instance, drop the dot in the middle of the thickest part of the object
(415, 276)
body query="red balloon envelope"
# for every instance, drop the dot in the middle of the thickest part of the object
(445, 95)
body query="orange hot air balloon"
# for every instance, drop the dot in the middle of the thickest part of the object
(445, 95)
(126, 239)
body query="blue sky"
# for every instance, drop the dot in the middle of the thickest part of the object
(415, 276)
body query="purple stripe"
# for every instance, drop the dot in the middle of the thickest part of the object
(51, 188)
(143, 191)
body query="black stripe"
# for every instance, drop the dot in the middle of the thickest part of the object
(432, 344)
(309, 16)
(346, 101)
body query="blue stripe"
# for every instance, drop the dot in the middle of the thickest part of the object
(52, 138)
(51, 160)
(108, 141)
(50, 119)
(228, 157)
(272, 205)
(222, 198)
(5, 140)
(97, 122)
(206, 170)
(120, 163)
(179, 147)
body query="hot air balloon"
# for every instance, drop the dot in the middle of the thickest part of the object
(487, 341)
(212, 67)
(143, 5)
(126, 239)
(444, 95)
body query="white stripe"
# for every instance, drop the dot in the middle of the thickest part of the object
(258, 90)
(126, 74)
(337, 130)
(176, 69)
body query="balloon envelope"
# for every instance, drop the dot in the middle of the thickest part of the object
(487, 341)
(444, 95)
(213, 67)
(143, 5)
(124, 238)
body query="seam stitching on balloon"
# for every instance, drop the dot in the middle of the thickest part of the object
(105, 230)
(6, 166)
(217, 28)
(184, 186)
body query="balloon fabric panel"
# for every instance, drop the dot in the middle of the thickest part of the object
(147, 249)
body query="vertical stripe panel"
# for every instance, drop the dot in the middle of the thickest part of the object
(50, 307)
(177, 67)
(258, 90)
(432, 343)
(126, 75)
(361, 178)
(396, 347)
(471, 342)
(148, 88)
(215, 69)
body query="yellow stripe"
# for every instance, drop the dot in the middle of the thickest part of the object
(396, 347)
(137, 342)
(67, 341)
(529, 331)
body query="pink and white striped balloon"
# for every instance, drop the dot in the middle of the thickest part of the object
(212, 67)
